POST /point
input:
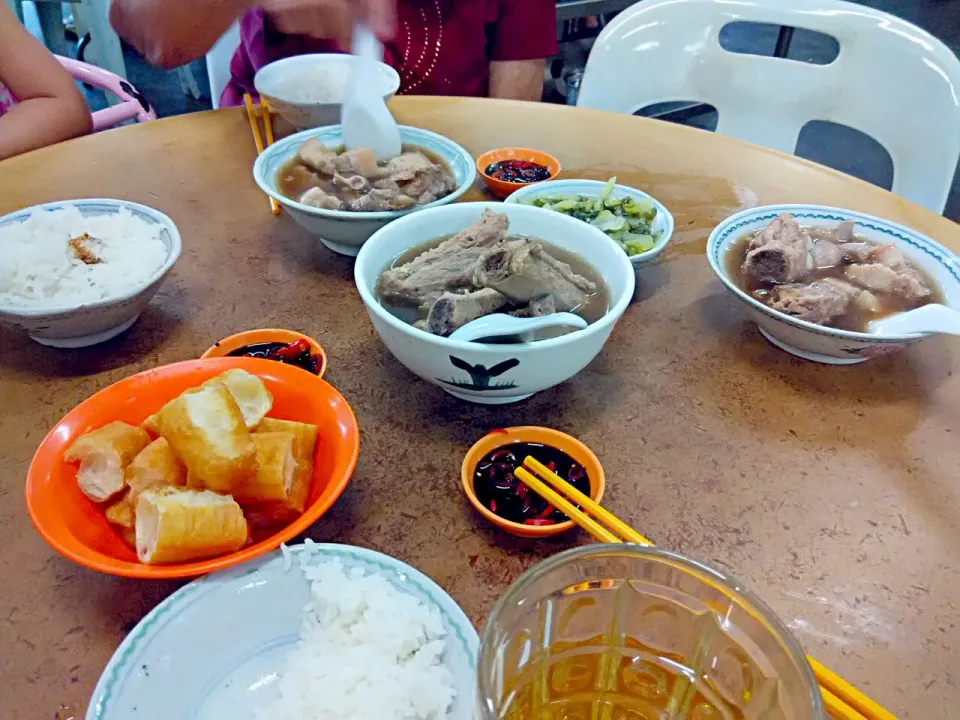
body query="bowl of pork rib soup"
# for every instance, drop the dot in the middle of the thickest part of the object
(343, 196)
(429, 274)
(814, 278)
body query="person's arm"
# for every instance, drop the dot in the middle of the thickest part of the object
(49, 105)
(171, 33)
(524, 36)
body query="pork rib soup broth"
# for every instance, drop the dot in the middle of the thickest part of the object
(444, 283)
(353, 180)
(827, 275)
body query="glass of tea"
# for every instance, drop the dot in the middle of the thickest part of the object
(626, 632)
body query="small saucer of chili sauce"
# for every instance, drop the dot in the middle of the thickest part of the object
(286, 346)
(496, 493)
(508, 169)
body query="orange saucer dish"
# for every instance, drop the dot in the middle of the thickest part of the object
(265, 335)
(77, 528)
(502, 188)
(566, 444)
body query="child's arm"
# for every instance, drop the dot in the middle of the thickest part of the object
(49, 105)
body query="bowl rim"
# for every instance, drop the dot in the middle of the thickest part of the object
(173, 254)
(368, 252)
(122, 568)
(745, 217)
(520, 433)
(533, 189)
(281, 146)
(215, 351)
(320, 58)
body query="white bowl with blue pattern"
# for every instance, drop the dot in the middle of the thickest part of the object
(816, 342)
(342, 231)
(662, 223)
(77, 326)
(216, 647)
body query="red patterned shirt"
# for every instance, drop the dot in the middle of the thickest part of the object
(441, 47)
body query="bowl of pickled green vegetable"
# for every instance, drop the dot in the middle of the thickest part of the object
(637, 222)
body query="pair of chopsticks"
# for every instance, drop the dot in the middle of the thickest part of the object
(257, 137)
(841, 699)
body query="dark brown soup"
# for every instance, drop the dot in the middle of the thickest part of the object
(827, 276)
(364, 185)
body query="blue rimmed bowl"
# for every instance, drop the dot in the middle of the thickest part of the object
(345, 232)
(216, 647)
(76, 325)
(662, 223)
(816, 342)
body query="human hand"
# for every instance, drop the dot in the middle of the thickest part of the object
(332, 19)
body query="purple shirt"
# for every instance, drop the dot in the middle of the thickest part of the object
(442, 47)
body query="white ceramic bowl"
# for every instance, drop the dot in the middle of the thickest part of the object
(816, 342)
(282, 84)
(662, 224)
(341, 231)
(481, 372)
(76, 326)
(214, 648)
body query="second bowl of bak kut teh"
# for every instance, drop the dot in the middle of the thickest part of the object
(488, 479)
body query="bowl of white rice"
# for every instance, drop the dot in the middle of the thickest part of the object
(79, 272)
(307, 90)
(311, 632)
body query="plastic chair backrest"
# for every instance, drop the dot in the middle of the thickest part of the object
(891, 80)
(132, 106)
(218, 62)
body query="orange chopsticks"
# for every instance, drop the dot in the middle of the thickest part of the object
(257, 137)
(841, 699)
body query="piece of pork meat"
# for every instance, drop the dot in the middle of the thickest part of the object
(406, 166)
(357, 183)
(315, 197)
(843, 232)
(906, 284)
(538, 307)
(454, 310)
(523, 271)
(856, 252)
(819, 302)
(429, 184)
(361, 162)
(826, 254)
(381, 200)
(780, 253)
(318, 157)
(449, 266)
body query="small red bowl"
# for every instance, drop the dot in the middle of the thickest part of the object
(502, 188)
(251, 337)
(530, 434)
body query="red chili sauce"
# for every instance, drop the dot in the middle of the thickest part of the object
(518, 171)
(296, 353)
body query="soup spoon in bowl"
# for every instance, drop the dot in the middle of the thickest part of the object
(931, 318)
(366, 121)
(500, 325)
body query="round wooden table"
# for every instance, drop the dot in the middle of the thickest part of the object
(830, 491)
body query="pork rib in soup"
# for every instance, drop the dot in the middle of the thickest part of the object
(353, 179)
(827, 276)
(446, 283)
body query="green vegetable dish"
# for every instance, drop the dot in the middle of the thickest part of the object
(628, 220)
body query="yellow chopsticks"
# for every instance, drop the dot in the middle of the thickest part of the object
(841, 699)
(257, 137)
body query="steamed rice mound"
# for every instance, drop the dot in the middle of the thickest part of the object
(40, 269)
(367, 651)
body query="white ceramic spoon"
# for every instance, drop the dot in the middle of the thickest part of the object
(364, 116)
(503, 325)
(927, 319)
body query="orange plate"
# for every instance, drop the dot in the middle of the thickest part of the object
(500, 188)
(249, 337)
(76, 527)
(531, 434)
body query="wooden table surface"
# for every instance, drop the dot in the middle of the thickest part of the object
(830, 491)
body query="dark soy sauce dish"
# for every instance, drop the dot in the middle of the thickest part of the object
(518, 171)
(505, 495)
(297, 353)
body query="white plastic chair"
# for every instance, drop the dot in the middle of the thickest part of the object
(218, 62)
(891, 80)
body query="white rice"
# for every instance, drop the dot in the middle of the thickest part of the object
(368, 651)
(324, 83)
(38, 269)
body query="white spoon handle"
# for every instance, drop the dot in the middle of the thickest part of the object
(927, 319)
